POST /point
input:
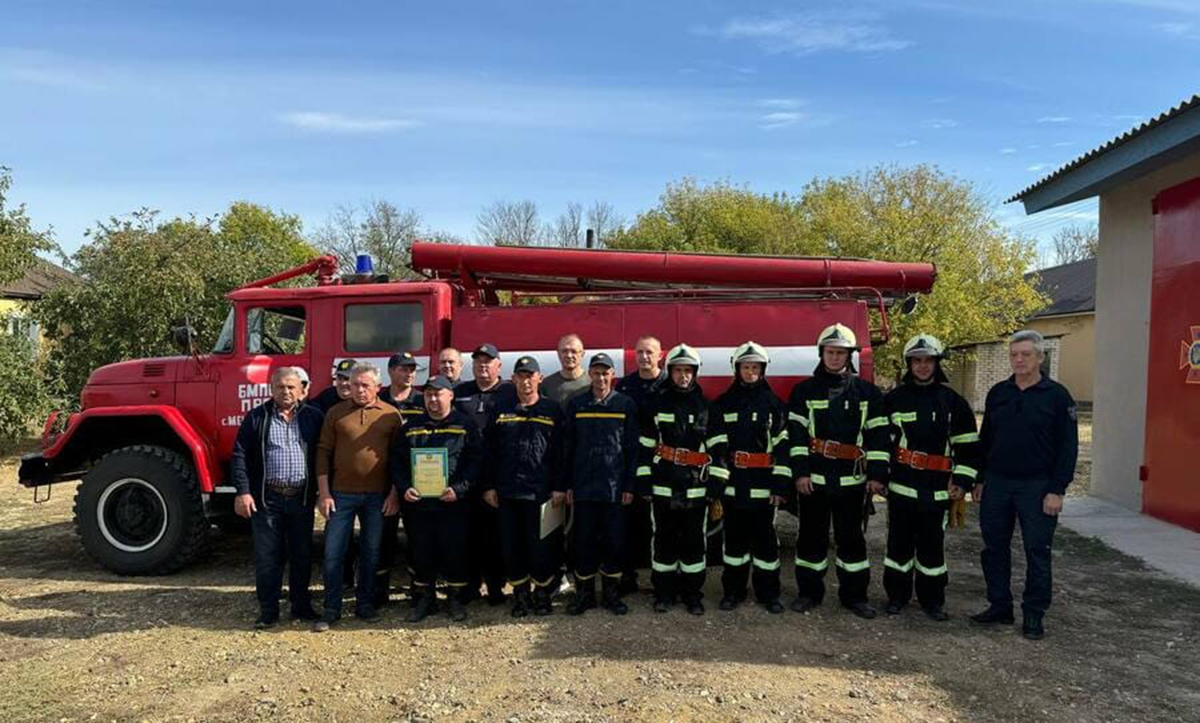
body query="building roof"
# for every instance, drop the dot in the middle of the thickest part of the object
(41, 277)
(1140, 150)
(1071, 288)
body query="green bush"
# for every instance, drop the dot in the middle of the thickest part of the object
(25, 396)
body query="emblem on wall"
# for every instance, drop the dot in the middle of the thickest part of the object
(1189, 356)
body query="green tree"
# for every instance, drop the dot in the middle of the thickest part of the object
(717, 218)
(19, 242)
(142, 275)
(25, 393)
(887, 213)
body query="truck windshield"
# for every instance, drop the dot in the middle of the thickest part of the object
(224, 343)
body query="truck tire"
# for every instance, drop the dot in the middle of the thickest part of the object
(139, 511)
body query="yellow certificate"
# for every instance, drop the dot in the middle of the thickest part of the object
(430, 471)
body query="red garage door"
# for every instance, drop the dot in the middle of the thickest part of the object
(1172, 488)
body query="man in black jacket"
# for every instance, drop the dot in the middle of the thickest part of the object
(439, 524)
(274, 460)
(639, 385)
(338, 390)
(840, 450)
(477, 399)
(934, 460)
(1029, 441)
(524, 471)
(602, 442)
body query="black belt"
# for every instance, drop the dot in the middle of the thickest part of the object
(286, 490)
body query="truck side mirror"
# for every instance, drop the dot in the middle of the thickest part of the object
(909, 305)
(184, 338)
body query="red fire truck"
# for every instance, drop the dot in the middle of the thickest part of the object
(154, 437)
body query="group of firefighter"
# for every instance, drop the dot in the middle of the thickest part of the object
(650, 445)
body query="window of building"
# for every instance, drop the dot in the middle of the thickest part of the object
(384, 328)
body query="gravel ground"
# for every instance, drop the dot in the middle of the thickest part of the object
(78, 643)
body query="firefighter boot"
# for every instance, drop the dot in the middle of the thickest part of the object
(693, 604)
(611, 596)
(425, 605)
(383, 588)
(521, 601)
(585, 597)
(541, 601)
(458, 609)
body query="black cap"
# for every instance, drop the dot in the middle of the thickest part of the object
(487, 350)
(441, 381)
(342, 368)
(601, 360)
(403, 359)
(527, 364)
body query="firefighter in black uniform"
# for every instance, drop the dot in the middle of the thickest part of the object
(838, 434)
(672, 474)
(437, 536)
(478, 399)
(524, 471)
(935, 449)
(409, 400)
(748, 443)
(601, 459)
(639, 385)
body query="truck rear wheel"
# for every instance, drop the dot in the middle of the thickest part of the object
(139, 511)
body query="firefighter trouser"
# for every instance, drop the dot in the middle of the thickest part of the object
(751, 543)
(598, 539)
(637, 536)
(812, 544)
(485, 563)
(437, 542)
(387, 554)
(916, 530)
(527, 557)
(678, 549)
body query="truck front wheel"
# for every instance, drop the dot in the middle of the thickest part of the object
(139, 511)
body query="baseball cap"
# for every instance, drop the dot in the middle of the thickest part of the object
(439, 382)
(527, 364)
(601, 360)
(342, 368)
(487, 350)
(403, 359)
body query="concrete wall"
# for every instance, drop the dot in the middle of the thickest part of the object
(1123, 277)
(1075, 366)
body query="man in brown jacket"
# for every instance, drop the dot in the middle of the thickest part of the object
(353, 482)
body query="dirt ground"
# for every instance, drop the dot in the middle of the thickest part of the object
(79, 644)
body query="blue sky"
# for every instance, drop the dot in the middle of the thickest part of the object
(185, 107)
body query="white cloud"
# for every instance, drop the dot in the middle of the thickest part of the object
(338, 123)
(812, 33)
(780, 119)
(1183, 30)
(780, 103)
(1007, 151)
(1037, 167)
(1061, 144)
(1054, 119)
(906, 144)
(938, 124)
